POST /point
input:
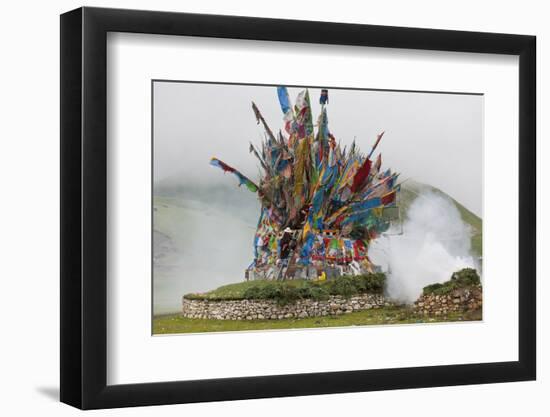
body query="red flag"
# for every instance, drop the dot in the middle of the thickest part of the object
(388, 198)
(361, 175)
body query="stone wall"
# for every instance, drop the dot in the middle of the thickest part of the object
(270, 310)
(459, 300)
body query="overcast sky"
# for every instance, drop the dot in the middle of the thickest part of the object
(433, 138)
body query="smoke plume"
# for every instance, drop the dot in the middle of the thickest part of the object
(434, 242)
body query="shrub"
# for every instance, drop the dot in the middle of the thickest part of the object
(265, 292)
(466, 277)
(281, 292)
(318, 293)
(374, 282)
(432, 288)
(252, 293)
(349, 285)
(270, 291)
(290, 294)
(345, 286)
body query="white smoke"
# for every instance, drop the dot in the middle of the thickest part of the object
(434, 243)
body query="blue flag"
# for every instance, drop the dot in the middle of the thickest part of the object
(282, 92)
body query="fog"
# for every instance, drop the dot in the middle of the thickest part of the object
(434, 138)
(199, 245)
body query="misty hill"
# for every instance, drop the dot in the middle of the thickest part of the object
(233, 200)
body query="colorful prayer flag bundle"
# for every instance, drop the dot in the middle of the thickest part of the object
(321, 205)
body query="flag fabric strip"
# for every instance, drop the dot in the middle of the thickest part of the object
(284, 101)
(242, 179)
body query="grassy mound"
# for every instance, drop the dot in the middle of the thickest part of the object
(288, 291)
(466, 277)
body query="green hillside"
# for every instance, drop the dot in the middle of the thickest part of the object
(410, 190)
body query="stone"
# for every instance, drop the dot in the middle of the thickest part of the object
(269, 309)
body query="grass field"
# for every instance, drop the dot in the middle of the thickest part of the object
(175, 323)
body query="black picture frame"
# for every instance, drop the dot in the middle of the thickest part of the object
(84, 207)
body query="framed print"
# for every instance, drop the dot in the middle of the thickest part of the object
(255, 208)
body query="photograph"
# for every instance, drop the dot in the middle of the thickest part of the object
(293, 207)
(244, 208)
